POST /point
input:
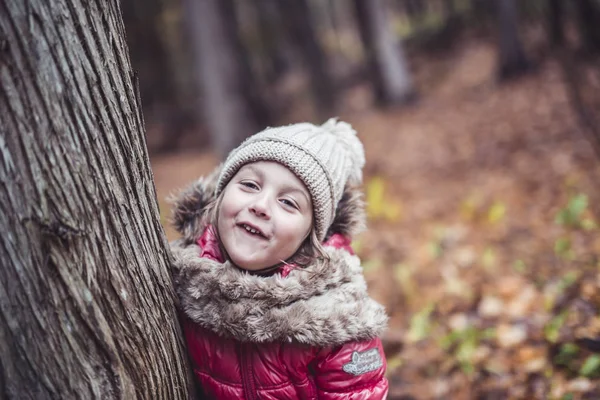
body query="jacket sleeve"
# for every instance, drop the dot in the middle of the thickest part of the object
(353, 371)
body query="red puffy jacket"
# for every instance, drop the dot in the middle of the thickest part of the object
(301, 333)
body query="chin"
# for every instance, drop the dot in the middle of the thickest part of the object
(248, 265)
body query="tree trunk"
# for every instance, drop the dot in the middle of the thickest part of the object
(270, 29)
(159, 56)
(86, 298)
(148, 55)
(449, 8)
(482, 11)
(511, 56)
(249, 82)
(555, 14)
(415, 8)
(302, 33)
(151, 59)
(588, 13)
(384, 55)
(227, 111)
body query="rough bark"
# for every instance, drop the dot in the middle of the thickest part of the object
(384, 55)
(228, 114)
(511, 56)
(86, 299)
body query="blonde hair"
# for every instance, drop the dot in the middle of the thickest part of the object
(310, 250)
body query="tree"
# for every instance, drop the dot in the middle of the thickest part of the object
(231, 105)
(588, 13)
(511, 56)
(415, 8)
(387, 65)
(449, 9)
(269, 25)
(302, 33)
(556, 12)
(86, 299)
(159, 56)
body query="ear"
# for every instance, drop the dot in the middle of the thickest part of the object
(190, 204)
(350, 217)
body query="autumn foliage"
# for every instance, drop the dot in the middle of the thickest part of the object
(483, 240)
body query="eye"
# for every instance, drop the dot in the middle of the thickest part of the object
(249, 185)
(289, 203)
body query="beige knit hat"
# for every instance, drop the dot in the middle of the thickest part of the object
(324, 157)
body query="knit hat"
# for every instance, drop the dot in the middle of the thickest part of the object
(324, 157)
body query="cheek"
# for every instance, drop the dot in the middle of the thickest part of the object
(296, 231)
(227, 207)
(223, 211)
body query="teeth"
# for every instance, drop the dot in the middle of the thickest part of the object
(251, 230)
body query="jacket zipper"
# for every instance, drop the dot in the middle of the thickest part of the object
(247, 373)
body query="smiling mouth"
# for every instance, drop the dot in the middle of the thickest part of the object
(252, 231)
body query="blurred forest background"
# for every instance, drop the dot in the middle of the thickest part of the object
(481, 123)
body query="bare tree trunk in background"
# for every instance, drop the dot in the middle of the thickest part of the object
(555, 14)
(482, 11)
(270, 28)
(86, 299)
(415, 8)
(160, 64)
(337, 17)
(248, 80)
(296, 15)
(226, 110)
(450, 14)
(148, 55)
(511, 56)
(387, 64)
(449, 7)
(588, 13)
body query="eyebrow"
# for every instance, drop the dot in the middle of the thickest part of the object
(286, 188)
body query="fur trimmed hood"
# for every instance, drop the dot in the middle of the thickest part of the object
(323, 304)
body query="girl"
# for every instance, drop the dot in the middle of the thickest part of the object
(274, 302)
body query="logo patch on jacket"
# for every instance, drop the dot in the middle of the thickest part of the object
(363, 362)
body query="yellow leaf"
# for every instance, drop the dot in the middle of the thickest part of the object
(589, 224)
(375, 201)
(496, 212)
(488, 259)
(420, 324)
(403, 274)
(378, 206)
(393, 363)
(469, 206)
(357, 246)
(371, 265)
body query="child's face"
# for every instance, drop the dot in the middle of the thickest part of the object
(264, 216)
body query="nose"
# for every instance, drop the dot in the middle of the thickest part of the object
(260, 207)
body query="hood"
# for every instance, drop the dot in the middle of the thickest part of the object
(191, 204)
(323, 304)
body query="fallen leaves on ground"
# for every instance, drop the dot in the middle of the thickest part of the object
(483, 240)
